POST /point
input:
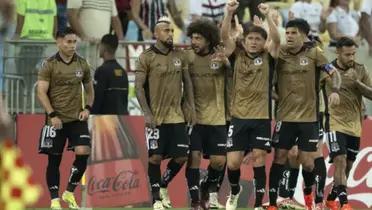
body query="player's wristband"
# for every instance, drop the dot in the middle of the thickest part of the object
(87, 107)
(52, 114)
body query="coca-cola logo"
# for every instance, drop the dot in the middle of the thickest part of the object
(125, 180)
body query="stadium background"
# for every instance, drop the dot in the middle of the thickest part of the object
(116, 176)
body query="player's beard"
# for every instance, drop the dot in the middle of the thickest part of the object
(198, 50)
(168, 44)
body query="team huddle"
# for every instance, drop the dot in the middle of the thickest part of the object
(217, 100)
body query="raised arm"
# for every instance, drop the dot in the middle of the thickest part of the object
(273, 30)
(228, 41)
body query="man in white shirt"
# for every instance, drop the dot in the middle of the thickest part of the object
(366, 23)
(211, 9)
(91, 19)
(342, 22)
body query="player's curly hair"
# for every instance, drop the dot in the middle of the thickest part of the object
(208, 29)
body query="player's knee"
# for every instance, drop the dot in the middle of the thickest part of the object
(292, 154)
(233, 164)
(280, 156)
(82, 150)
(340, 161)
(258, 157)
(180, 160)
(155, 159)
(218, 163)
(194, 159)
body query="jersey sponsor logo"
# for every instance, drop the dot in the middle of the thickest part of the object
(304, 61)
(258, 61)
(177, 62)
(79, 73)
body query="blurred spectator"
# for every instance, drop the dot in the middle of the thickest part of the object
(147, 12)
(61, 14)
(111, 81)
(6, 9)
(211, 9)
(124, 14)
(313, 13)
(91, 19)
(366, 23)
(342, 21)
(36, 19)
(253, 9)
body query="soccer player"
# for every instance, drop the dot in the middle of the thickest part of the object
(290, 175)
(345, 119)
(59, 89)
(161, 76)
(250, 127)
(298, 74)
(208, 64)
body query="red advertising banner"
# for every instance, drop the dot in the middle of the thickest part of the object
(117, 175)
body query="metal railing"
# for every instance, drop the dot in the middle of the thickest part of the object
(22, 60)
(14, 92)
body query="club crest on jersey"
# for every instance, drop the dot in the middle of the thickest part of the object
(177, 62)
(304, 61)
(214, 65)
(257, 61)
(79, 73)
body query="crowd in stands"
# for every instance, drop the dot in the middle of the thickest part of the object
(134, 20)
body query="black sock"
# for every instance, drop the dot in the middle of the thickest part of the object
(308, 181)
(77, 171)
(342, 195)
(172, 170)
(193, 178)
(276, 173)
(283, 190)
(213, 179)
(333, 194)
(234, 176)
(222, 176)
(320, 172)
(154, 174)
(52, 175)
(292, 182)
(260, 184)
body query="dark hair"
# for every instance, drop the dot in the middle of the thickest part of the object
(299, 23)
(66, 31)
(110, 42)
(333, 3)
(345, 42)
(256, 29)
(207, 29)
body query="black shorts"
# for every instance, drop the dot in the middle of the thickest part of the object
(53, 141)
(168, 140)
(288, 134)
(342, 144)
(209, 139)
(248, 134)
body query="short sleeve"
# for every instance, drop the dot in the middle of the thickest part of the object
(74, 4)
(45, 73)
(114, 11)
(21, 7)
(332, 18)
(141, 65)
(87, 73)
